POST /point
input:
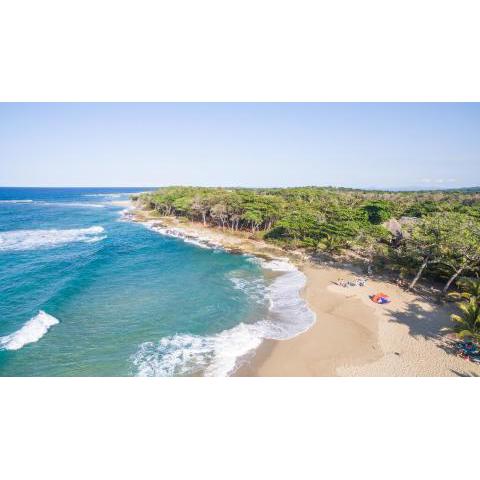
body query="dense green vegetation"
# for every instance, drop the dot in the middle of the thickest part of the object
(466, 324)
(417, 234)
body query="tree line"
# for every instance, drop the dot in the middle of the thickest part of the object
(438, 233)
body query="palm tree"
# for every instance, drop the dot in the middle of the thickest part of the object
(331, 244)
(470, 288)
(467, 324)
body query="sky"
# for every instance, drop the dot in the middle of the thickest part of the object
(361, 145)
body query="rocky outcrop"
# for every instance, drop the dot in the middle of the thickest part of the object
(394, 227)
(397, 227)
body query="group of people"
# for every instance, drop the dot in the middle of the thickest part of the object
(358, 282)
(469, 351)
(379, 298)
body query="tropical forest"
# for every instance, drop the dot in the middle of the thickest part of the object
(432, 235)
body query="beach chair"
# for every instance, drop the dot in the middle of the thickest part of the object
(361, 282)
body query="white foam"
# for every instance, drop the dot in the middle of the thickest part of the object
(33, 239)
(76, 204)
(253, 287)
(202, 242)
(71, 204)
(279, 265)
(217, 355)
(125, 215)
(289, 312)
(55, 204)
(182, 355)
(112, 195)
(31, 332)
(105, 195)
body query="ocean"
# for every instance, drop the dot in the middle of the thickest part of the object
(84, 291)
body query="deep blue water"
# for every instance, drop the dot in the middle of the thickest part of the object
(127, 300)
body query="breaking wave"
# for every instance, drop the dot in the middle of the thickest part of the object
(189, 355)
(54, 204)
(31, 332)
(218, 355)
(111, 195)
(173, 232)
(254, 288)
(33, 239)
(289, 313)
(105, 195)
(73, 204)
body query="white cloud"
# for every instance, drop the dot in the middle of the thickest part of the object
(438, 181)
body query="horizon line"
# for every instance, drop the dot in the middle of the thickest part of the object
(383, 189)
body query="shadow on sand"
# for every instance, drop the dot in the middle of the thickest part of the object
(464, 374)
(425, 315)
(428, 319)
(424, 318)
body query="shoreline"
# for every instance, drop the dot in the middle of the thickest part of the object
(351, 335)
(344, 333)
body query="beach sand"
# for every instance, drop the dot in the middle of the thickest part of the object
(355, 337)
(352, 336)
(344, 333)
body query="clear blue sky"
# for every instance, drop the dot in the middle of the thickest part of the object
(273, 144)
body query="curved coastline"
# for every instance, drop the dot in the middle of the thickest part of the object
(289, 313)
(351, 336)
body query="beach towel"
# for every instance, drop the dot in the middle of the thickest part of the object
(380, 298)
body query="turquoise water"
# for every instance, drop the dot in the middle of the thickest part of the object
(85, 292)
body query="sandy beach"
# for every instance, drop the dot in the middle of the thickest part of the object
(355, 337)
(352, 336)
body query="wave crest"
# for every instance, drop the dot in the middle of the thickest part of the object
(31, 332)
(71, 204)
(190, 355)
(217, 355)
(54, 204)
(33, 239)
(173, 232)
